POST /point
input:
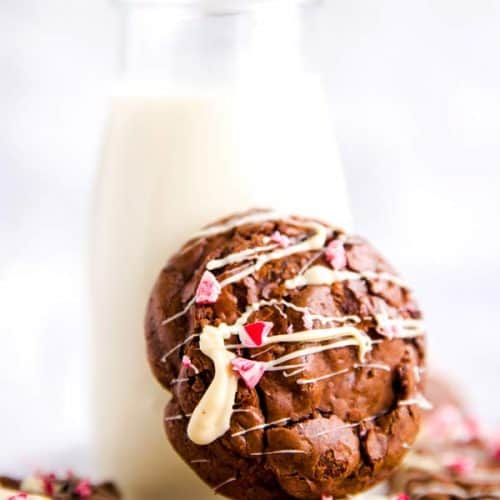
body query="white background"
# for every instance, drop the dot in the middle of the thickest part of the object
(415, 91)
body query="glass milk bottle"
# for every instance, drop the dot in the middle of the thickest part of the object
(216, 112)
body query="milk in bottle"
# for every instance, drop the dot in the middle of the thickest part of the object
(220, 117)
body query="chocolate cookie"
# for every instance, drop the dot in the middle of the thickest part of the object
(48, 486)
(454, 457)
(293, 353)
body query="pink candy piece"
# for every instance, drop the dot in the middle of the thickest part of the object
(401, 496)
(208, 290)
(326, 497)
(18, 496)
(335, 254)
(255, 334)
(187, 363)
(281, 239)
(250, 371)
(83, 489)
(461, 466)
(390, 330)
(496, 453)
(308, 321)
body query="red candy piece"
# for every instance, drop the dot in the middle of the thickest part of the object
(208, 290)
(255, 334)
(48, 481)
(83, 489)
(250, 371)
(281, 239)
(402, 496)
(335, 254)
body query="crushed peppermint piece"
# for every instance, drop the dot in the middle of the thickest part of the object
(402, 496)
(496, 453)
(187, 363)
(461, 466)
(250, 371)
(326, 497)
(390, 330)
(255, 334)
(18, 496)
(208, 290)
(307, 319)
(48, 481)
(335, 255)
(281, 239)
(290, 328)
(83, 489)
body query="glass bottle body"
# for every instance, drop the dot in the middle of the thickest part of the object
(216, 114)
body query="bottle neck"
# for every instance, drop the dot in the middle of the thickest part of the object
(213, 43)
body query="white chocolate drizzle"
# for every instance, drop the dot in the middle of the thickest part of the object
(359, 338)
(348, 426)
(227, 481)
(322, 275)
(376, 366)
(419, 400)
(278, 452)
(315, 242)
(411, 327)
(237, 257)
(264, 216)
(252, 308)
(180, 313)
(180, 416)
(314, 350)
(286, 367)
(179, 380)
(212, 416)
(260, 353)
(295, 372)
(261, 426)
(178, 346)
